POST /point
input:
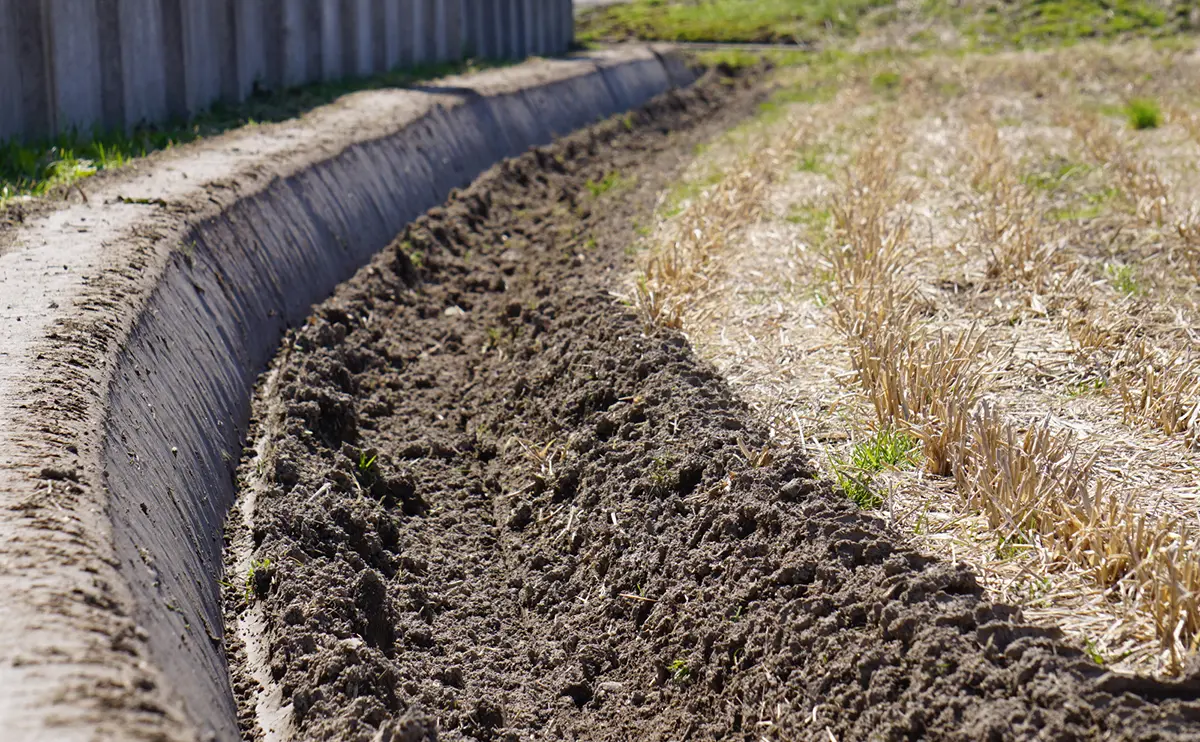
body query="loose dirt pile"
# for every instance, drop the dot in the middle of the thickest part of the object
(490, 504)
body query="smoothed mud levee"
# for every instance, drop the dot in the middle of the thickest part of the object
(491, 504)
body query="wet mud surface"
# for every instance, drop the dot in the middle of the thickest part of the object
(497, 507)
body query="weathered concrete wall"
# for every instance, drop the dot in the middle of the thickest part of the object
(88, 64)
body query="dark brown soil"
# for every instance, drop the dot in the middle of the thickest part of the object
(497, 507)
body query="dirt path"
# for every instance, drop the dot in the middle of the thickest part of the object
(492, 505)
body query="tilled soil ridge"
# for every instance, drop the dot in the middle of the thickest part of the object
(497, 507)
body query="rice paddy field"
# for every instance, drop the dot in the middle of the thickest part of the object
(965, 282)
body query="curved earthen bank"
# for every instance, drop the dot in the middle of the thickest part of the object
(133, 324)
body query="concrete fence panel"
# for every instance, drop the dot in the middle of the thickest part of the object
(508, 29)
(508, 22)
(541, 10)
(568, 14)
(142, 62)
(426, 30)
(108, 61)
(12, 70)
(248, 60)
(26, 92)
(489, 33)
(440, 45)
(284, 43)
(472, 18)
(392, 27)
(517, 49)
(313, 23)
(332, 62)
(516, 39)
(73, 35)
(533, 29)
(452, 11)
(407, 10)
(85, 65)
(554, 22)
(486, 34)
(379, 37)
(206, 45)
(358, 41)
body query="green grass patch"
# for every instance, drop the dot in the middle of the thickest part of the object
(685, 191)
(951, 89)
(1106, 109)
(1123, 277)
(1066, 180)
(1010, 548)
(613, 181)
(859, 487)
(1075, 213)
(924, 38)
(815, 91)
(812, 217)
(886, 449)
(737, 59)
(36, 168)
(680, 672)
(1056, 175)
(1087, 387)
(816, 87)
(821, 75)
(985, 23)
(1033, 23)
(366, 469)
(759, 21)
(811, 159)
(257, 567)
(1090, 206)
(886, 82)
(1143, 113)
